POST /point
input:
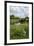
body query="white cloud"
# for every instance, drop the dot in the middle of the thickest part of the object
(19, 11)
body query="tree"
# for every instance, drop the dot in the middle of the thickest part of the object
(27, 19)
(11, 16)
(22, 20)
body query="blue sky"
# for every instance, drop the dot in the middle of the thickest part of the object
(21, 11)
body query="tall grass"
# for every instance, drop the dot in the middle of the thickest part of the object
(19, 31)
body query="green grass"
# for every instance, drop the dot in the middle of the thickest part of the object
(17, 31)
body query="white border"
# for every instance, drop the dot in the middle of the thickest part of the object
(8, 23)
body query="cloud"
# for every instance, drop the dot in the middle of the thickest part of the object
(21, 11)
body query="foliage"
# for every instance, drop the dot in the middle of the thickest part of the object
(13, 17)
(22, 20)
(17, 31)
(20, 31)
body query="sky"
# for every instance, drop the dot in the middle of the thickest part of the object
(20, 11)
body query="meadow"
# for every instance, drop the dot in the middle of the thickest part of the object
(19, 31)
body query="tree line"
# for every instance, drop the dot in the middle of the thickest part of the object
(21, 20)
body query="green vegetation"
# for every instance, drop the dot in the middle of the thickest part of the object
(19, 31)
